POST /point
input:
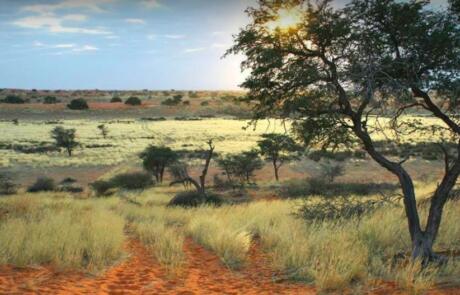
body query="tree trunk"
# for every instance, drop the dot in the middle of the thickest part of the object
(422, 248)
(276, 170)
(162, 171)
(69, 152)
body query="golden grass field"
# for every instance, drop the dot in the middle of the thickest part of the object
(88, 234)
(64, 233)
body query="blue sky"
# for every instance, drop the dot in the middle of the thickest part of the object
(119, 44)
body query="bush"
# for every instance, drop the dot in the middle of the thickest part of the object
(204, 103)
(42, 184)
(70, 189)
(195, 199)
(50, 100)
(186, 103)
(319, 186)
(132, 181)
(341, 208)
(7, 186)
(14, 99)
(116, 99)
(78, 104)
(102, 187)
(175, 100)
(330, 171)
(133, 101)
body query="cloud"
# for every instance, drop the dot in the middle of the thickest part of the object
(191, 50)
(174, 36)
(38, 44)
(135, 21)
(85, 48)
(91, 5)
(64, 46)
(45, 17)
(151, 3)
(112, 37)
(151, 37)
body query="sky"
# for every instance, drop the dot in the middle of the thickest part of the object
(120, 44)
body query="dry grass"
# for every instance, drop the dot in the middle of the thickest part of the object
(63, 233)
(332, 255)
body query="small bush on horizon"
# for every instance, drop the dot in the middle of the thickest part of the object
(13, 99)
(133, 101)
(50, 99)
(78, 104)
(116, 99)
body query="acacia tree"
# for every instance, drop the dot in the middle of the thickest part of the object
(155, 159)
(65, 138)
(336, 71)
(278, 149)
(199, 185)
(104, 130)
(241, 165)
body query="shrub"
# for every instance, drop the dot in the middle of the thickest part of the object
(116, 99)
(132, 181)
(42, 184)
(50, 100)
(204, 103)
(175, 100)
(330, 171)
(14, 99)
(186, 103)
(78, 104)
(319, 186)
(102, 187)
(341, 208)
(68, 181)
(194, 199)
(337, 156)
(133, 101)
(70, 188)
(7, 186)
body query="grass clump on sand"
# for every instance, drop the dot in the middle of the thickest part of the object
(229, 244)
(60, 232)
(164, 242)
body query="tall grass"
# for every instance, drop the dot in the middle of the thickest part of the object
(164, 242)
(65, 234)
(229, 244)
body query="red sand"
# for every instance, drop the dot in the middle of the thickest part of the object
(140, 273)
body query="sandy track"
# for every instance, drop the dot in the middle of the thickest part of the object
(203, 273)
(140, 273)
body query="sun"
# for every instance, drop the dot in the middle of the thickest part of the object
(286, 19)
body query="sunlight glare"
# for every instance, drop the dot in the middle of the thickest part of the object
(287, 18)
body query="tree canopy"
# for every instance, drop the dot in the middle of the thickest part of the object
(278, 149)
(65, 138)
(156, 158)
(337, 71)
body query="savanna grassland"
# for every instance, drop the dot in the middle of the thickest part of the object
(260, 240)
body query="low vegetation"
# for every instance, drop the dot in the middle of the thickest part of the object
(49, 229)
(78, 104)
